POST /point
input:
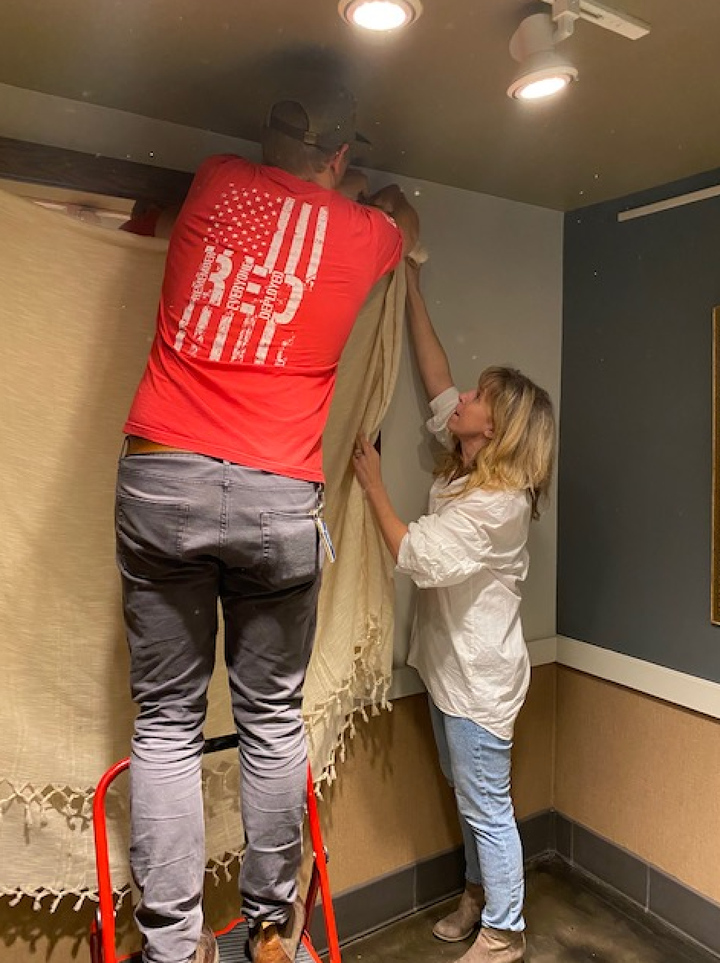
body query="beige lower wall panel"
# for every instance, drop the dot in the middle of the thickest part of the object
(390, 805)
(534, 748)
(388, 808)
(643, 773)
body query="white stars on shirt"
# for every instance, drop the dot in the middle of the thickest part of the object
(245, 219)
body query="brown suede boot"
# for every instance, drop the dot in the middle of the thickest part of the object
(207, 948)
(270, 943)
(459, 924)
(495, 946)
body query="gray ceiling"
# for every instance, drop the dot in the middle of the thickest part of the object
(432, 99)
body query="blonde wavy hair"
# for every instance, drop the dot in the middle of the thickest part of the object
(521, 452)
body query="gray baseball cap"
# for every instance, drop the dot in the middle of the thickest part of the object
(321, 115)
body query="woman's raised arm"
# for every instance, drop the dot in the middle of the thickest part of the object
(429, 352)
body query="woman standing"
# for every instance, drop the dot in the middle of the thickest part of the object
(468, 556)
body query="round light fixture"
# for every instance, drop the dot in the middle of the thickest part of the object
(543, 71)
(380, 14)
(542, 77)
(537, 89)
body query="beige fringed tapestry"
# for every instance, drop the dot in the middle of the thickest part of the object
(77, 309)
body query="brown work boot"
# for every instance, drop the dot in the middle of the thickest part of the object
(495, 946)
(207, 948)
(278, 943)
(459, 924)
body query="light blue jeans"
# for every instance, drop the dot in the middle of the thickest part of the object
(191, 532)
(477, 765)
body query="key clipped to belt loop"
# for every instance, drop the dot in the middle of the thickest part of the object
(321, 525)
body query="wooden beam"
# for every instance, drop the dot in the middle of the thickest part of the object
(58, 167)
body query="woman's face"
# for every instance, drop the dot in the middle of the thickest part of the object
(472, 422)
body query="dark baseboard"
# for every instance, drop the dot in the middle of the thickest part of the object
(389, 898)
(665, 899)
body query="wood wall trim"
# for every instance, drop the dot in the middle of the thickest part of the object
(59, 167)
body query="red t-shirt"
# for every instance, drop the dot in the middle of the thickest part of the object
(264, 279)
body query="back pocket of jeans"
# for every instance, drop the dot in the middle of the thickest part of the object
(149, 534)
(290, 548)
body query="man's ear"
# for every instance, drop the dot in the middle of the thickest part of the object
(339, 162)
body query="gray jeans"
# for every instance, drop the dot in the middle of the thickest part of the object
(192, 530)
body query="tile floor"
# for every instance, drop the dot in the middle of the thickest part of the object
(569, 920)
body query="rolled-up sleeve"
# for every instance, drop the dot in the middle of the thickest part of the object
(442, 407)
(479, 530)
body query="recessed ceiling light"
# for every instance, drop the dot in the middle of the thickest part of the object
(380, 14)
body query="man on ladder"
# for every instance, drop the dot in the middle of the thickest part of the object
(220, 497)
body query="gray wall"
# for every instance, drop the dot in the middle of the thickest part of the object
(635, 471)
(493, 285)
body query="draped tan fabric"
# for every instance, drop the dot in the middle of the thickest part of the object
(77, 310)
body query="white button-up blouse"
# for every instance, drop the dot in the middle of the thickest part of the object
(468, 557)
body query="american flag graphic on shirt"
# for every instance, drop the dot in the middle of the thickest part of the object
(262, 253)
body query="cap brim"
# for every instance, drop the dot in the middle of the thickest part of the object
(276, 124)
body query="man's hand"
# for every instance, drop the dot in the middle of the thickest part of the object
(387, 198)
(392, 200)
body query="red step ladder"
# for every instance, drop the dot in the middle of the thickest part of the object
(232, 940)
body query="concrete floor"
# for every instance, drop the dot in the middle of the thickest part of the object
(568, 920)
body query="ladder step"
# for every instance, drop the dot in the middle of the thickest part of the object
(233, 947)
